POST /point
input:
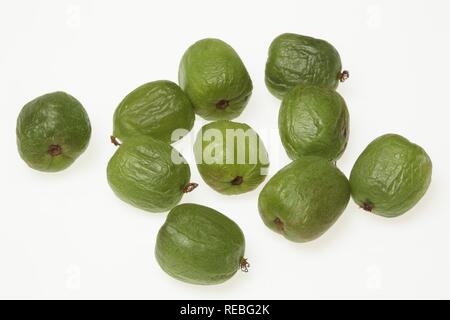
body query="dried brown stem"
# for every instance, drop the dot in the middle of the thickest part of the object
(344, 75)
(114, 141)
(244, 265)
(189, 187)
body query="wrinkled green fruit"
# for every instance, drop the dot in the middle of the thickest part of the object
(304, 199)
(200, 245)
(215, 79)
(52, 132)
(313, 121)
(230, 157)
(295, 59)
(149, 174)
(155, 109)
(390, 176)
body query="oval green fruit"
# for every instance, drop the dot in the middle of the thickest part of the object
(230, 157)
(295, 59)
(313, 121)
(304, 199)
(155, 109)
(199, 245)
(52, 132)
(390, 176)
(149, 174)
(215, 79)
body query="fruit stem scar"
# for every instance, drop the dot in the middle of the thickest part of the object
(279, 224)
(54, 150)
(344, 133)
(368, 206)
(189, 187)
(344, 75)
(114, 141)
(237, 181)
(222, 104)
(244, 265)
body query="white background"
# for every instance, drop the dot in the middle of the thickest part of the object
(66, 235)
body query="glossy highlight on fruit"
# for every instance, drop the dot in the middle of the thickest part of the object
(304, 199)
(390, 176)
(313, 121)
(52, 131)
(215, 79)
(155, 109)
(295, 59)
(149, 174)
(230, 157)
(199, 245)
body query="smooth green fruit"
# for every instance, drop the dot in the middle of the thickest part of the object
(304, 199)
(390, 176)
(295, 59)
(52, 132)
(155, 109)
(200, 245)
(215, 79)
(230, 157)
(313, 121)
(149, 174)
